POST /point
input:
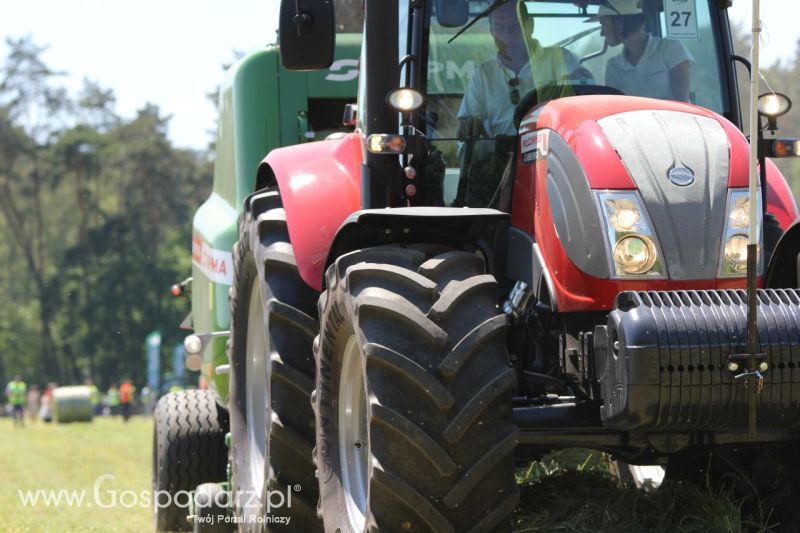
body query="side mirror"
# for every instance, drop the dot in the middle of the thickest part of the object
(306, 34)
(452, 13)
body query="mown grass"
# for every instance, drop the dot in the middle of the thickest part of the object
(573, 491)
(569, 491)
(74, 456)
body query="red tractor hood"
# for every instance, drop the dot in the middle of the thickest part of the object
(572, 147)
(578, 120)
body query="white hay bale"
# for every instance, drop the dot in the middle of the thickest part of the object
(72, 404)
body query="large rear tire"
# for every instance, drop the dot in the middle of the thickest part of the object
(188, 450)
(273, 324)
(413, 395)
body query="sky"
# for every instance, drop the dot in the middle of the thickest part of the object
(170, 52)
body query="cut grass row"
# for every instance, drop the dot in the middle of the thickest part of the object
(573, 491)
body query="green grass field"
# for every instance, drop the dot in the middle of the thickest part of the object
(568, 492)
(74, 457)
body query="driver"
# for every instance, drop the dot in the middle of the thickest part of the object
(497, 86)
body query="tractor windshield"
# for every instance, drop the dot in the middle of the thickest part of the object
(476, 80)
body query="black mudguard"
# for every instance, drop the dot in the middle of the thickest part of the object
(782, 270)
(457, 227)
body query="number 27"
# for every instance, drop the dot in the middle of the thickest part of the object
(676, 18)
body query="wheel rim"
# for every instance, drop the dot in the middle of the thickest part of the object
(257, 389)
(353, 436)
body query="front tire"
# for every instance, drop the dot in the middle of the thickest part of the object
(413, 395)
(273, 323)
(188, 450)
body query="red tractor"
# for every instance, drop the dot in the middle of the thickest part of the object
(428, 308)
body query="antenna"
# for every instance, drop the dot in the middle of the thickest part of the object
(753, 389)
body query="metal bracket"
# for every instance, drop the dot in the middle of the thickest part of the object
(738, 361)
(194, 346)
(758, 365)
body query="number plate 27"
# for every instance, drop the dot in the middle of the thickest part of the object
(681, 19)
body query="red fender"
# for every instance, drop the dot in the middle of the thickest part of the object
(320, 185)
(780, 200)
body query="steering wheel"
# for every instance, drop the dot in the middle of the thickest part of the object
(531, 99)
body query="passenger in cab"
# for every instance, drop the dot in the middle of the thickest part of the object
(648, 65)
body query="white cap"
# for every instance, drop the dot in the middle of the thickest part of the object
(618, 7)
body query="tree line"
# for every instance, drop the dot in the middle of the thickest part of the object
(95, 213)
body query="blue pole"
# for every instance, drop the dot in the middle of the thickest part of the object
(153, 346)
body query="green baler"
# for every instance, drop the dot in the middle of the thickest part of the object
(261, 107)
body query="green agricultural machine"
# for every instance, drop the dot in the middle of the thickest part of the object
(261, 107)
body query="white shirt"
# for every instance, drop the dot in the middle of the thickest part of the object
(650, 76)
(488, 94)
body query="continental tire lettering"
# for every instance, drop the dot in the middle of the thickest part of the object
(337, 318)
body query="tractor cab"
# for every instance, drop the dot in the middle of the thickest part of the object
(477, 67)
(480, 80)
(465, 73)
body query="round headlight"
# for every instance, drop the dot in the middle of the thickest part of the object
(626, 219)
(193, 344)
(740, 216)
(773, 104)
(194, 362)
(635, 254)
(736, 252)
(405, 100)
(623, 214)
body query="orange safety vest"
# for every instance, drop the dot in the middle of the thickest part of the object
(126, 391)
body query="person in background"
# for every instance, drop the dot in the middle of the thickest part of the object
(15, 392)
(46, 401)
(94, 396)
(126, 397)
(33, 403)
(648, 65)
(113, 399)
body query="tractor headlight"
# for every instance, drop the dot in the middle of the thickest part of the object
(405, 100)
(631, 242)
(733, 259)
(635, 254)
(736, 253)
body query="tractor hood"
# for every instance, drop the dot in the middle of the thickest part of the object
(665, 132)
(681, 159)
